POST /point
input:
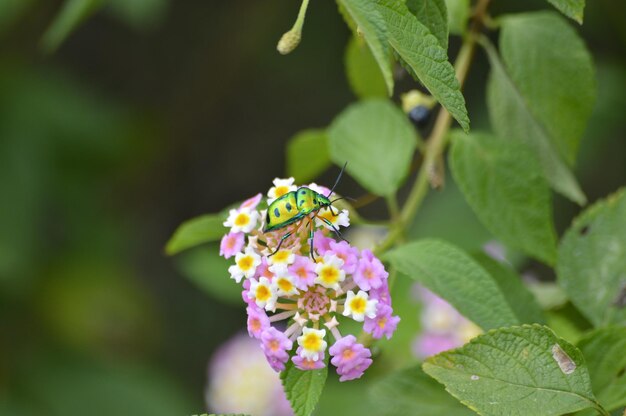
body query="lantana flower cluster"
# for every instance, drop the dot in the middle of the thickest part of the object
(297, 296)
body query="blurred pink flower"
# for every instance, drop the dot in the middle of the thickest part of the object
(241, 381)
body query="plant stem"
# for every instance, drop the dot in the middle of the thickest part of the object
(438, 139)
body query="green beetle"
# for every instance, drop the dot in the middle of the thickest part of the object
(297, 205)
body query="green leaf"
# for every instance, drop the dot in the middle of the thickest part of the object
(72, 14)
(458, 14)
(434, 15)
(523, 370)
(512, 119)
(209, 271)
(371, 24)
(303, 388)
(570, 8)
(196, 231)
(11, 10)
(457, 278)
(605, 352)
(425, 57)
(141, 14)
(377, 141)
(552, 70)
(307, 155)
(502, 182)
(363, 73)
(517, 295)
(412, 392)
(591, 263)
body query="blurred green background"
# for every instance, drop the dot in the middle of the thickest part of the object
(155, 111)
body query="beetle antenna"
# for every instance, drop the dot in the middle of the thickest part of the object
(337, 181)
(343, 197)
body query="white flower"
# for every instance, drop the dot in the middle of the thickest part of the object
(264, 293)
(280, 188)
(329, 272)
(336, 218)
(285, 284)
(245, 264)
(281, 260)
(359, 306)
(312, 343)
(242, 220)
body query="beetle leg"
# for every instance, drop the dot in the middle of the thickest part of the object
(283, 238)
(312, 247)
(335, 229)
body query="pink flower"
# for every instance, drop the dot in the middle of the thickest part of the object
(321, 242)
(275, 345)
(383, 323)
(350, 358)
(245, 293)
(232, 243)
(429, 344)
(304, 363)
(381, 294)
(257, 320)
(370, 272)
(251, 203)
(262, 270)
(304, 270)
(347, 253)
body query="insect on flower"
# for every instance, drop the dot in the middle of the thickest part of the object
(295, 300)
(297, 205)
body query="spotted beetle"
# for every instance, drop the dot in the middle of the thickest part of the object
(297, 205)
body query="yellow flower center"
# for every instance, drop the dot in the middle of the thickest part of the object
(285, 285)
(329, 275)
(329, 216)
(382, 322)
(242, 219)
(281, 256)
(281, 190)
(369, 274)
(312, 342)
(262, 293)
(358, 305)
(245, 263)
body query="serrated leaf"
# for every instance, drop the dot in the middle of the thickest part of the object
(303, 388)
(72, 13)
(552, 70)
(371, 24)
(502, 182)
(307, 155)
(523, 370)
(517, 295)
(458, 14)
(362, 71)
(412, 392)
(377, 141)
(591, 263)
(605, 352)
(570, 8)
(457, 278)
(425, 57)
(196, 231)
(207, 270)
(512, 119)
(434, 15)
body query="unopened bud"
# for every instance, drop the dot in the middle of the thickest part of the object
(288, 42)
